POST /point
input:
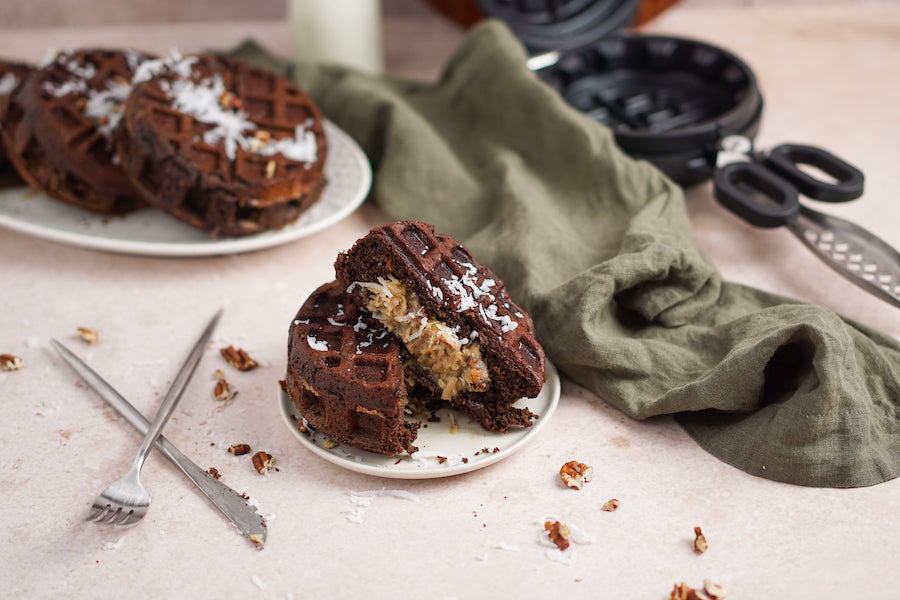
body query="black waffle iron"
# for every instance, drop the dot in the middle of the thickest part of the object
(668, 100)
(693, 110)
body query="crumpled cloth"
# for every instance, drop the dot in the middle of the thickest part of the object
(598, 248)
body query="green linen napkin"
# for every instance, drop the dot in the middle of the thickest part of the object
(598, 248)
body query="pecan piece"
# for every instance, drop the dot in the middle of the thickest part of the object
(223, 390)
(239, 449)
(680, 591)
(228, 100)
(611, 505)
(238, 358)
(700, 543)
(575, 474)
(87, 335)
(8, 362)
(559, 534)
(713, 590)
(710, 591)
(263, 461)
(214, 472)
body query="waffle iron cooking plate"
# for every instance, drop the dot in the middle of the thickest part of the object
(668, 100)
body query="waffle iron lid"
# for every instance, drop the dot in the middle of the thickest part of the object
(668, 100)
(545, 25)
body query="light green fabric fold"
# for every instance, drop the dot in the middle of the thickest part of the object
(598, 248)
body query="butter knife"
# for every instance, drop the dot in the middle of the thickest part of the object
(233, 505)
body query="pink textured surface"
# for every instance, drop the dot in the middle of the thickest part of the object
(830, 77)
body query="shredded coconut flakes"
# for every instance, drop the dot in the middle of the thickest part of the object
(7, 84)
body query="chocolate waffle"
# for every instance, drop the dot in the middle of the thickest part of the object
(12, 74)
(59, 128)
(345, 374)
(473, 346)
(223, 146)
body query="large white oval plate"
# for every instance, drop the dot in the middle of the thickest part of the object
(152, 233)
(442, 453)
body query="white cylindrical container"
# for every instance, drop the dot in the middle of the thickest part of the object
(345, 32)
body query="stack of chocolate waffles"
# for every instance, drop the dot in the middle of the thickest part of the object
(228, 148)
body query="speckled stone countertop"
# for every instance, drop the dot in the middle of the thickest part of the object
(830, 75)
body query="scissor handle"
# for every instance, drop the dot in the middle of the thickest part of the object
(755, 194)
(786, 158)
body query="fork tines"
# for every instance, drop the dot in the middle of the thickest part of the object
(109, 516)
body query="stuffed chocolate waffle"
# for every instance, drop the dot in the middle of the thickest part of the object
(469, 343)
(226, 147)
(345, 374)
(12, 75)
(59, 129)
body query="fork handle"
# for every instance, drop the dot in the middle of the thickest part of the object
(175, 392)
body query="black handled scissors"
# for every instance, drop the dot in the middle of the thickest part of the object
(764, 189)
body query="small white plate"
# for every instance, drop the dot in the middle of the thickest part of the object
(441, 453)
(152, 233)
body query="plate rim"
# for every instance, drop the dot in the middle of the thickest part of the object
(208, 247)
(552, 387)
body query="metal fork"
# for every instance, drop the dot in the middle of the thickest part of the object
(125, 502)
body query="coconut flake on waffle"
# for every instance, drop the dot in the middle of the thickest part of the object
(316, 344)
(437, 292)
(370, 337)
(174, 63)
(201, 101)
(64, 88)
(105, 106)
(300, 148)
(468, 291)
(231, 127)
(75, 66)
(7, 84)
(79, 72)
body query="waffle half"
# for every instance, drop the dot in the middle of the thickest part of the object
(345, 374)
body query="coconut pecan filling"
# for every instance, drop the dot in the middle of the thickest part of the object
(452, 363)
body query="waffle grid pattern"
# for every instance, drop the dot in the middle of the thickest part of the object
(195, 181)
(441, 262)
(345, 374)
(58, 148)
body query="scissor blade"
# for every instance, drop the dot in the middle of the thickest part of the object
(854, 252)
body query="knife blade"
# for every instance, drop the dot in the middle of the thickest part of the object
(244, 516)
